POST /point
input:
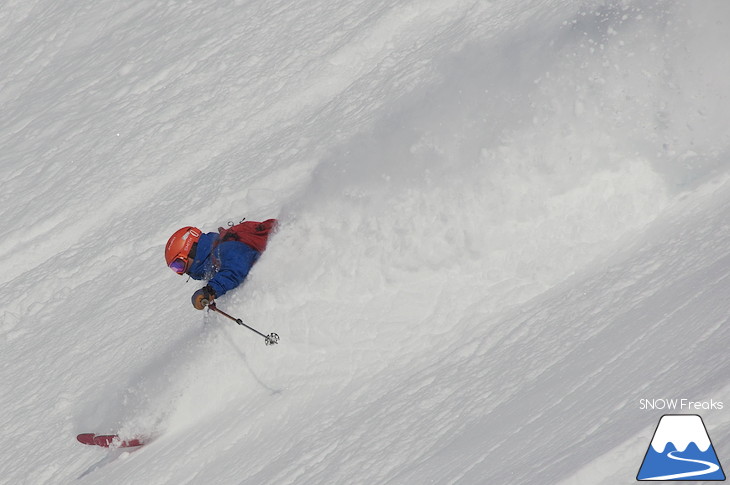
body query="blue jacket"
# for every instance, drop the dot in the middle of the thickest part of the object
(226, 266)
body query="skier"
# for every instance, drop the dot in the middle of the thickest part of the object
(223, 258)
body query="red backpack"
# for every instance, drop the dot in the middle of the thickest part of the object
(252, 233)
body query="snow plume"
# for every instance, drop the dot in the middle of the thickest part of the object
(497, 172)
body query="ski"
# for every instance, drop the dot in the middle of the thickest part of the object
(109, 440)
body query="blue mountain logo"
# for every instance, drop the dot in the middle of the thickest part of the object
(681, 450)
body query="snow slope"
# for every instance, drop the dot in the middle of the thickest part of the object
(503, 224)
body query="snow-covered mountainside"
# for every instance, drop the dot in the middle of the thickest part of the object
(680, 431)
(504, 230)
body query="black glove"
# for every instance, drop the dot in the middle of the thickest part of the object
(203, 297)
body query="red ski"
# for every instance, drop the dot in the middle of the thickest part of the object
(109, 440)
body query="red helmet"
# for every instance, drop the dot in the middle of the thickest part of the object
(177, 251)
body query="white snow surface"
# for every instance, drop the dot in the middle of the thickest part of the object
(503, 224)
(680, 430)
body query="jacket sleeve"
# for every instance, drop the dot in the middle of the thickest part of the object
(236, 260)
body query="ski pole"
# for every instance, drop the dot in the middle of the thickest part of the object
(271, 339)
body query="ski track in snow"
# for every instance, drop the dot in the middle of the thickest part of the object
(503, 224)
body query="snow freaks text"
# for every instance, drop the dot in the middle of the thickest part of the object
(679, 405)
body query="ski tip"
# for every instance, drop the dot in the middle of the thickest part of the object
(86, 438)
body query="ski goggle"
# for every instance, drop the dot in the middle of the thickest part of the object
(178, 265)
